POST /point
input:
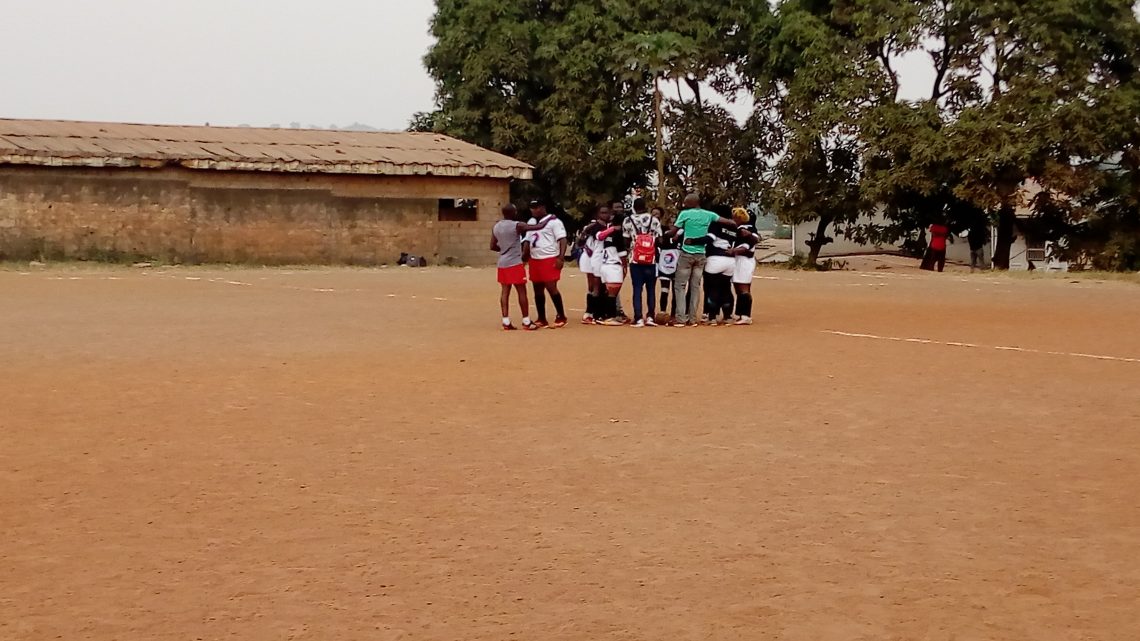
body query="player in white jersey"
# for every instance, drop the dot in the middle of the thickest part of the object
(547, 249)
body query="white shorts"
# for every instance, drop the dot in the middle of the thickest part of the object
(745, 269)
(586, 263)
(720, 265)
(612, 274)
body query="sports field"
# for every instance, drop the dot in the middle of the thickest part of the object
(361, 454)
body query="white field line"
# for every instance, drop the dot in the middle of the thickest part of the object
(1000, 348)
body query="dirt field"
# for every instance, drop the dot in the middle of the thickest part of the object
(360, 454)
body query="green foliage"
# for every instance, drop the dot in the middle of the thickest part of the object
(1032, 107)
(536, 81)
(709, 153)
(424, 121)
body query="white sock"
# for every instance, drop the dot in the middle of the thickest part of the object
(506, 321)
(526, 322)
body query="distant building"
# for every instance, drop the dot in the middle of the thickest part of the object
(246, 195)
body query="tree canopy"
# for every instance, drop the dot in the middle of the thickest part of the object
(1031, 108)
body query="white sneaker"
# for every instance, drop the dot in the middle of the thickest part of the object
(744, 320)
(649, 322)
(638, 324)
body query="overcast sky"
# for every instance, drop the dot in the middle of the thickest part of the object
(231, 62)
(225, 62)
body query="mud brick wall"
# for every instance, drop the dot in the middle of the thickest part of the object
(183, 215)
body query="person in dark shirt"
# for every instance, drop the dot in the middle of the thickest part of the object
(719, 269)
(668, 254)
(613, 267)
(978, 237)
(620, 215)
(591, 262)
(745, 250)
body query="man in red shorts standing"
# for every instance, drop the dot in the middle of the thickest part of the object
(547, 254)
(506, 238)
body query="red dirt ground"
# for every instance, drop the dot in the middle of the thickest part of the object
(359, 454)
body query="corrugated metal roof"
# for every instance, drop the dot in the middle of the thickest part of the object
(95, 144)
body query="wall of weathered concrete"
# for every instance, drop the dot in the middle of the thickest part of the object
(184, 215)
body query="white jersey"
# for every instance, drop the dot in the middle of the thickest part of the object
(544, 242)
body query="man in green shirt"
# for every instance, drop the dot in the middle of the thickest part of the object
(693, 225)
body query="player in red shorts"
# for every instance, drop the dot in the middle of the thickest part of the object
(547, 251)
(506, 238)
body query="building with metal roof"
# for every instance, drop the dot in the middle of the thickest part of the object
(241, 194)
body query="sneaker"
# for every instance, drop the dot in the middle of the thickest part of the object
(559, 323)
(510, 328)
(612, 322)
(649, 322)
(589, 320)
(639, 324)
(744, 320)
(533, 327)
(541, 324)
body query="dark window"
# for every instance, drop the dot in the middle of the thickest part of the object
(458, 210)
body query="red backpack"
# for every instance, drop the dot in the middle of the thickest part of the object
(644, 247)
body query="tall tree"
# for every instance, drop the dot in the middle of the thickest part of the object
(819, 80)
(537, 81)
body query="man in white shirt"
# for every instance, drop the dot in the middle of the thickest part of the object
(547, 249)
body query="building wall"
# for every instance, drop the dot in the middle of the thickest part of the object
(183, 215)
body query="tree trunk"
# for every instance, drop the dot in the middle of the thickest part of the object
(662, 192)
(816, 243)
(1004, 239)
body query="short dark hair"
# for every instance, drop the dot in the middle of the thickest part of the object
(639, 204)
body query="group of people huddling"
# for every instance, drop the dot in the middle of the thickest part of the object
(698, 245)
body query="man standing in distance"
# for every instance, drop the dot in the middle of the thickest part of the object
(547, 256)
(693, 223)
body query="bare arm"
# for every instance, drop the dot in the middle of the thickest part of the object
(561, 260)
(525, 228)
(494, 243)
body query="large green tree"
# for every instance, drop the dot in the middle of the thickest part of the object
(537, 81)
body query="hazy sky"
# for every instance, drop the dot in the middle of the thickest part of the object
(230, 62)
(225, 62)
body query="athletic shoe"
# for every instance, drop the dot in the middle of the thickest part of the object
(639, 324)
(589, 320)
(510, 328)
(612, 322)
(649, 322)
(744, 320)
(559, 323)
(533, 327)
(541, 324)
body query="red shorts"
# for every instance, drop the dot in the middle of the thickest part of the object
(545, 270)
(513, 275)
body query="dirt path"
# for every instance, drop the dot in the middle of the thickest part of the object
(350, 454)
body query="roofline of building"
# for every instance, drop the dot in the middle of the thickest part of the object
(295, 167)
(48, 143)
